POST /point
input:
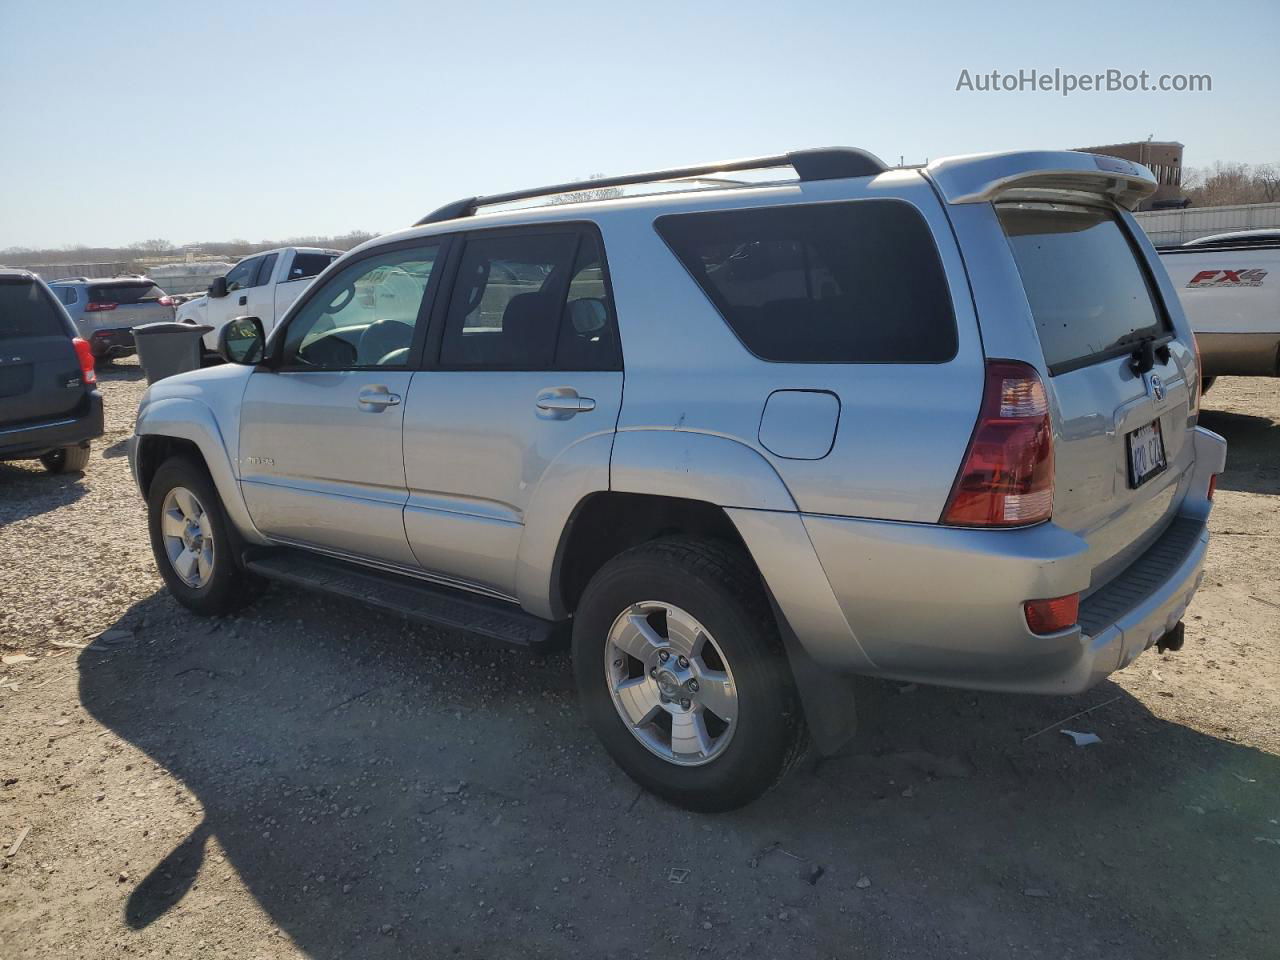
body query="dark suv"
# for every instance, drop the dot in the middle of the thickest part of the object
(50, 407)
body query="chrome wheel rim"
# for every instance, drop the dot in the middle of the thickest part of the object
(670, 683)
(187, 536)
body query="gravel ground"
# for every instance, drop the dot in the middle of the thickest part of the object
(313, 779)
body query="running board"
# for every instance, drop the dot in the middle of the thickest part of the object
(415, 599)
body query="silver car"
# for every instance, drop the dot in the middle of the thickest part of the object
(740, 441)
(105, 311)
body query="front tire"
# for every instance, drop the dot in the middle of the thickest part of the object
(67, 459)
(193, 543)
(681, 674)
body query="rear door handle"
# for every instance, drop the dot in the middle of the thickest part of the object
(244, 300)
(374, 399)
(561, 406)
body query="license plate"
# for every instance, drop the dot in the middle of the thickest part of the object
(1146, 453)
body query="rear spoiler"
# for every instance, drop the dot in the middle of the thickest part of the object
(1040, 175)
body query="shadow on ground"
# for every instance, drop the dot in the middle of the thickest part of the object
(28, 490)
(1252, 443)
(381, 795)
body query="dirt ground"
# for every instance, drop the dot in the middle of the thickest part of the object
(313, 779)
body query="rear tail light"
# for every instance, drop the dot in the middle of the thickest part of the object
(1007, 476)
(1050, 616)
(167, 301)
(1213, 486)
(98, 306)
(85, 356)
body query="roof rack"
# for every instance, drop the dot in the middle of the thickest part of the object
(825, 163)
(69, 279)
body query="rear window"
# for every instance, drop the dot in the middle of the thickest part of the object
(1088, 293)
(27, 311)
(852, 282)
(309, 265)
(125, 293)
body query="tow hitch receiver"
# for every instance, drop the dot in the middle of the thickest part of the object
(1173, 639)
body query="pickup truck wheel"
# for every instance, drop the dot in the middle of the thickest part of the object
(192, 541)
(681, 673)
(67, 459)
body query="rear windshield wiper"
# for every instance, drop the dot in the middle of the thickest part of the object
(1147, 348)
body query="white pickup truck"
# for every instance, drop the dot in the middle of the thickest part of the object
(1229, 285)
(263, 286)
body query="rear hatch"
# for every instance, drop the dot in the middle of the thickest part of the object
(1123, 444)
(126, 303)
(39, 370)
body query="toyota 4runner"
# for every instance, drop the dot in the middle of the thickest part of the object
(742, 438)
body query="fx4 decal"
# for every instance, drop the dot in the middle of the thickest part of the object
(1228, 278)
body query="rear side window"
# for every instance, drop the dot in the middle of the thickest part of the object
(1090, 296)
(66, 294)
(852, 282)
(125, 293)
(27, 311)
(268, 267)
(309, 265)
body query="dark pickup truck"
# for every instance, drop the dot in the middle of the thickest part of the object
(50, 407)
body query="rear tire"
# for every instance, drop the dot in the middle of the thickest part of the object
(196, 549)
(682, 748)
(67, 459)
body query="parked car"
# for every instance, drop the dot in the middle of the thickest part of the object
(105, 311)
(1228, 285)
(50, 407)
(934, 425)
(264, 285)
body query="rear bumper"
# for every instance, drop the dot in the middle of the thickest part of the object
(1239, 354)
(28, 440)
(117, 342)
(943, 605)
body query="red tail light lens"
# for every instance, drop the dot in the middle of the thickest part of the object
(1007, 476)
(167, 301)
(1213, 486)
(1050, 616)
(85, 356)
(98, 307)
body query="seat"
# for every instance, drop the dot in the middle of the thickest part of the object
(381, 339)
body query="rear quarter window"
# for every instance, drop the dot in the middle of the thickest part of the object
(852, 282)
(27, 311)
(1089, 294)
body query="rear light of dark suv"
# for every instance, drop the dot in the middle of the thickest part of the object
(84, 353)
(1007, 476)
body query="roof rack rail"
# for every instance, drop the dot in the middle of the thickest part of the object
(66, 279)
(824, 163)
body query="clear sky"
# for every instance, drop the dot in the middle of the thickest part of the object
(125, 121)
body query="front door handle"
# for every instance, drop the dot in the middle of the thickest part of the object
(375, 399)
(563, 404)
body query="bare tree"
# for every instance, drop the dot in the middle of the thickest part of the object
(1229, 183)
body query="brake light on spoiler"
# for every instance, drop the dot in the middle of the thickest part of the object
(1006, 479)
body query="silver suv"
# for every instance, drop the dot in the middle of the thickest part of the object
(105, 311)
(742, 439)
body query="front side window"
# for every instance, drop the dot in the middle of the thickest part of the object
(268, 267)
(852, 282)
(365, 315)
(1089, 295)
(242, 275)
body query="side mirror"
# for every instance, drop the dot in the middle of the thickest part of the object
(218, 288)
(242, 340)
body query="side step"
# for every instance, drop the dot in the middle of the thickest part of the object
(418, 600)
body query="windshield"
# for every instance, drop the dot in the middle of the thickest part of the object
(1088, 292)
